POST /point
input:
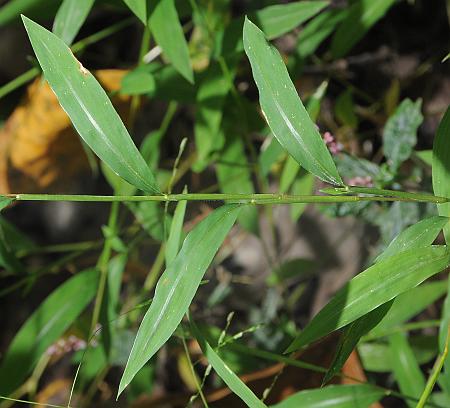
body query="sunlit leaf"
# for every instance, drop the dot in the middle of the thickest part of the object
(70, 17)
(336, 396)
(168, 32)
(283, 109)
(177, 286)
(89, 108)
(376, 285)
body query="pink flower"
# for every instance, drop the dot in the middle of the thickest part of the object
(333, 146)
(365, 181)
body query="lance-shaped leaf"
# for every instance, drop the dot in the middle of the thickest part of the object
(283, 109)
(44, 326)
(89, 108)
(168, 32)
(70, 17)
(176, 231)
(139, 8)
(228, 376)
(336, 396)
(376, 285)
(177, 286)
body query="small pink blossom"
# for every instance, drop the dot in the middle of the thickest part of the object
(333, 145)
(66, 345)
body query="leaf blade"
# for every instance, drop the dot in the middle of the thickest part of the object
(89, 108)
(283, 109)
(186, 272)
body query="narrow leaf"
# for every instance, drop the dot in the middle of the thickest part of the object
(70, 17)
(376, 285)
(139, 8)
(165, 26)
(4, 202)
(177, 286)
(351, 335)
(228, 376)
(283, 109)
(176, 231)
(89, 108)
(406, 369)
(44, 326)
(419, 235)
(362, 15)
(336, 396)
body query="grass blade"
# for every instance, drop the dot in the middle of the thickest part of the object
(44, 326)
(89, 108)
(228, 376)
(139, 8)
(177, 286)
(166, 28)
(283, 109)
(376, 285)
(176, 231)
(70, 17)
(336, 396)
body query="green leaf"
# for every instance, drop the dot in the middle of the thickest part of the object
(13, 8)
(4, 202)
(441, 168)
(8, 259)
(400, 132)
(283, 109)
(345, 109)
(274, 20)
(168, 32)
(426, 156)
(375, 356)
(89, 108)
(303, 185)
(336, 396)
(177, 286)
(406, 369)
(351, 335)
(376, 285)
(139, 8)
(410, 304)
(225, 373)
(176, 231)
(139, 81)
(362, 15)
(44, 326)
(70, 17)
(419, 235)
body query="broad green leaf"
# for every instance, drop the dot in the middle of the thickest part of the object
(376, 285)
(274, 20)
(283, 109)
(317, 30)
(362, 15)
(139, 8)
(400, 132)
(70, 17)
(177, 286)
(176, 231)
(234, 176)
(426, 156)
(441, 167)
(351, 335)
(336, 396)
(405, 367)
(409, 304)
(228, 376)
(89, 108)
(44, 326)
(168, 32)
(375, 356)
(419, 235)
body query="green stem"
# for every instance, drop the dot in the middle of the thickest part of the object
(102, 264)
(238, 198)
(78, 46)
